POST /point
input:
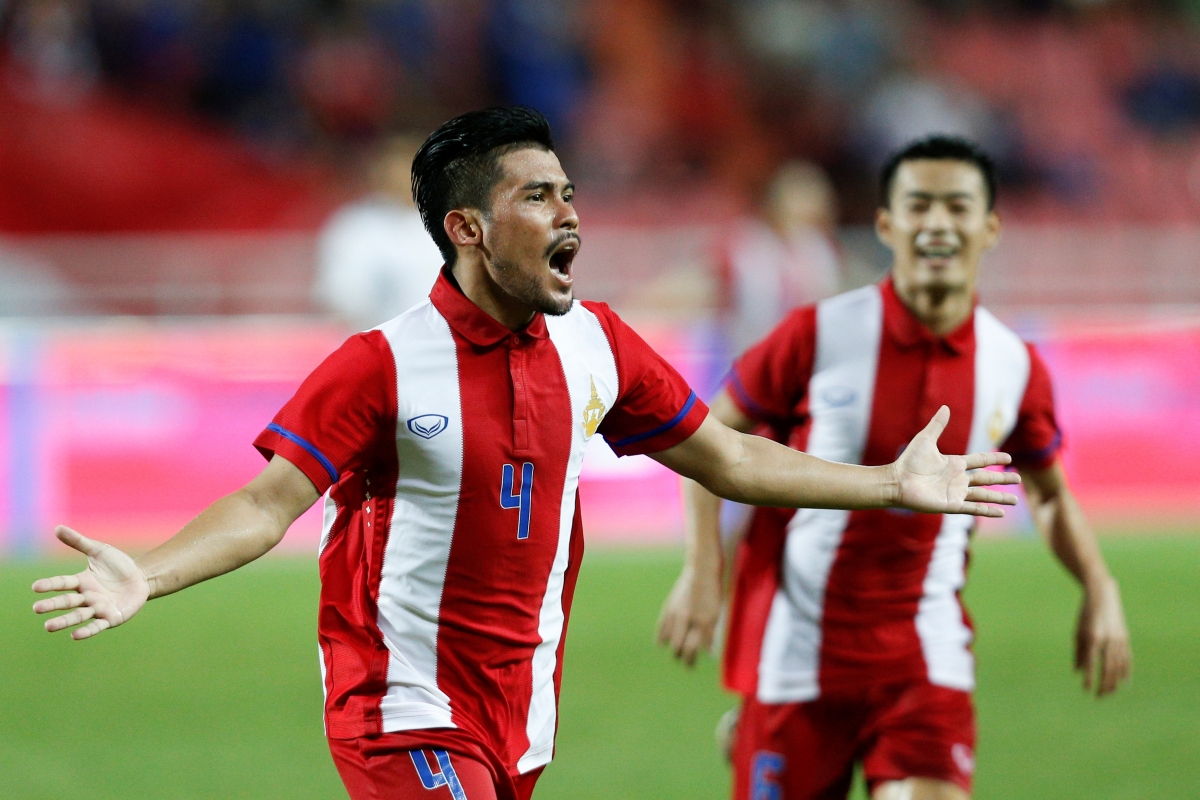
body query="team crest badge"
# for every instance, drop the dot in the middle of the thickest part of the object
(593, 412)
(995, 429)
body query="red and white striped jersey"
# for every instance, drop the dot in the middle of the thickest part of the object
(449, 449)
(830, 602)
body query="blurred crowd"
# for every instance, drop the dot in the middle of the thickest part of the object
(1091, 107)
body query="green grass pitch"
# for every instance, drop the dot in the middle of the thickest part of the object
(214, 693)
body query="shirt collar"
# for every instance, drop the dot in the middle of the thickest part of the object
(472, 322)
(906, 330)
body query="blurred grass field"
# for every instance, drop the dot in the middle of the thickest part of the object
(215, 693)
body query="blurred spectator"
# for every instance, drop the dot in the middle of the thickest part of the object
(1165, 97)
(374, 258)
(783, 257)
(50, 45)
(538, 60)
(907, 106)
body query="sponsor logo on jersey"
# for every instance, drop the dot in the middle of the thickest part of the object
(839, 396)
(428, 426)
(593, 412)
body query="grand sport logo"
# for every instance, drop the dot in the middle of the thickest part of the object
(428, 426)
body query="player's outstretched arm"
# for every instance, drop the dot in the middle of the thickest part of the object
(231, 532)
(1102, 651)
(754, 470)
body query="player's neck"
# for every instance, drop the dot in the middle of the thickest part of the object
(940, 310)
(480, 289)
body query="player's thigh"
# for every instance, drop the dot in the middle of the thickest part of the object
(793, 751)
(922, 732)
(919, 789)
(373, 773)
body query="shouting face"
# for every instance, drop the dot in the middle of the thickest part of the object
(531, 232)
(937, 225)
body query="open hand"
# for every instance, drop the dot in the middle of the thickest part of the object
(1102, 641)
(689, 616)
(934, 483)
(110, 591)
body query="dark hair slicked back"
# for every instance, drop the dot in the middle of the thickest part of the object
(459, 164)
(939, 147)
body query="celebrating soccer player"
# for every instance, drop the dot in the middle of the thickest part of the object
(447, 445)
(847, 639)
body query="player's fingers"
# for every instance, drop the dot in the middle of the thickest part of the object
(60, 603)
(937, 424)
(691, 645)
(75, 539)
(981, 460)
(91, 629)
(59, 583)
(73, 618)
(979, 510)
(987, 477)
(977, 495)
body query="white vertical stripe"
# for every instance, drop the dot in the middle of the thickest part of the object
(841, 392)
(328, 518)
(422, 524)
(1001, 374)
(586, 357)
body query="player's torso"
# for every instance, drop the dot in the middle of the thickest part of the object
(871, 595)
(472, 559)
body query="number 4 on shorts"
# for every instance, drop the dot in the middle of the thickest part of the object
(430, 779)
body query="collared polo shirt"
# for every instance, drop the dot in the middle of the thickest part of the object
(448, 449)
(829, 602)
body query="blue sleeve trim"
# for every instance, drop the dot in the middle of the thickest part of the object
(678, 418)
(1033, 456)
(735, 383)
(312, 451)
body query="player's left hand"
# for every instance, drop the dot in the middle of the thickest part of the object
(934, 483)
(1102, 650)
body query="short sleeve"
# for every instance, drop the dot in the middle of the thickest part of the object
(771, 378)
(336, 417)
(1036, 439)
(655, 408)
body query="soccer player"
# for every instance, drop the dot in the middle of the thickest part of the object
(846, 638)
(447, 446)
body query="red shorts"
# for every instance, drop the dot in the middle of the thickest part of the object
(807, 751)
(385, 768)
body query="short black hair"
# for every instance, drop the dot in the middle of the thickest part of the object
(459, 164)
(939, 147)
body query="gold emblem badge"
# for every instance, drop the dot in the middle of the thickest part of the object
(995, 427)
(593, 412)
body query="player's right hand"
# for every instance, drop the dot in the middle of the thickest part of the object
(110, 591)
(689, 616)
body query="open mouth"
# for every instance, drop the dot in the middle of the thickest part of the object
(561, 258)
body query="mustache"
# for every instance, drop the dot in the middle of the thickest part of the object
(558, 240)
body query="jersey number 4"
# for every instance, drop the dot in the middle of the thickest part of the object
(521, 500)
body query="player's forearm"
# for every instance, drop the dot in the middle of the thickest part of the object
(702, 532)
(769, 474)
(228, 534)
(1070, 537)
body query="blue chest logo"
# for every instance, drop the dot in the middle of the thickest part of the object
(428, 426)
(839, 396)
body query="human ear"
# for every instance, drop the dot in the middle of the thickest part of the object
(463, 227)
(992, 226)
(883, 227)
